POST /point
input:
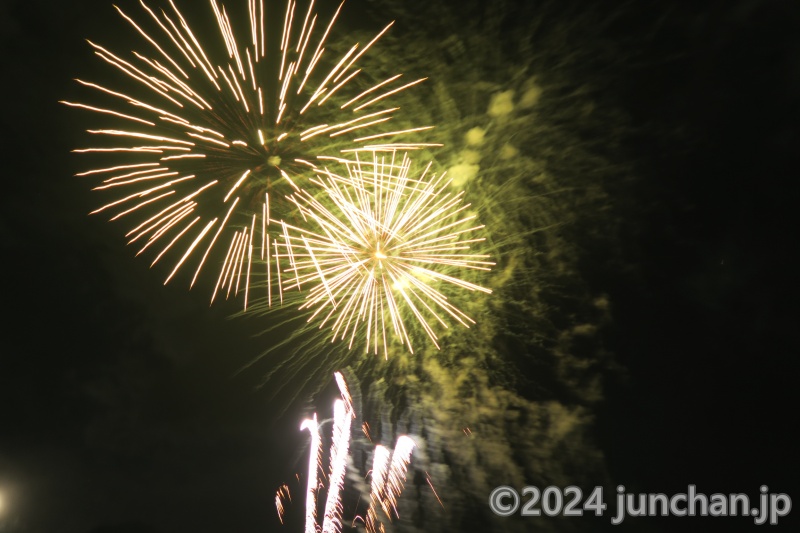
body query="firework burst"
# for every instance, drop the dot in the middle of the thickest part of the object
(380, 249)
(205, 133)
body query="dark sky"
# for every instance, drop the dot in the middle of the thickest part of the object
(120, 401)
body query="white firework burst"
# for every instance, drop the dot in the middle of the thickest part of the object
(379, 249)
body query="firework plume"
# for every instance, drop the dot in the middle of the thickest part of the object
(207, 131)
(388, 472)
(388, 481)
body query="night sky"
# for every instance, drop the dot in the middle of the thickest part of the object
(128, 406)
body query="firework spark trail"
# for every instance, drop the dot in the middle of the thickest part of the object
(340, 447)
(430, 484)
(282, 495)
(345, 392)
(206, 140)
(380, 467)
(314, 463)
(378, 249)
(396, 477)
(343, 415)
